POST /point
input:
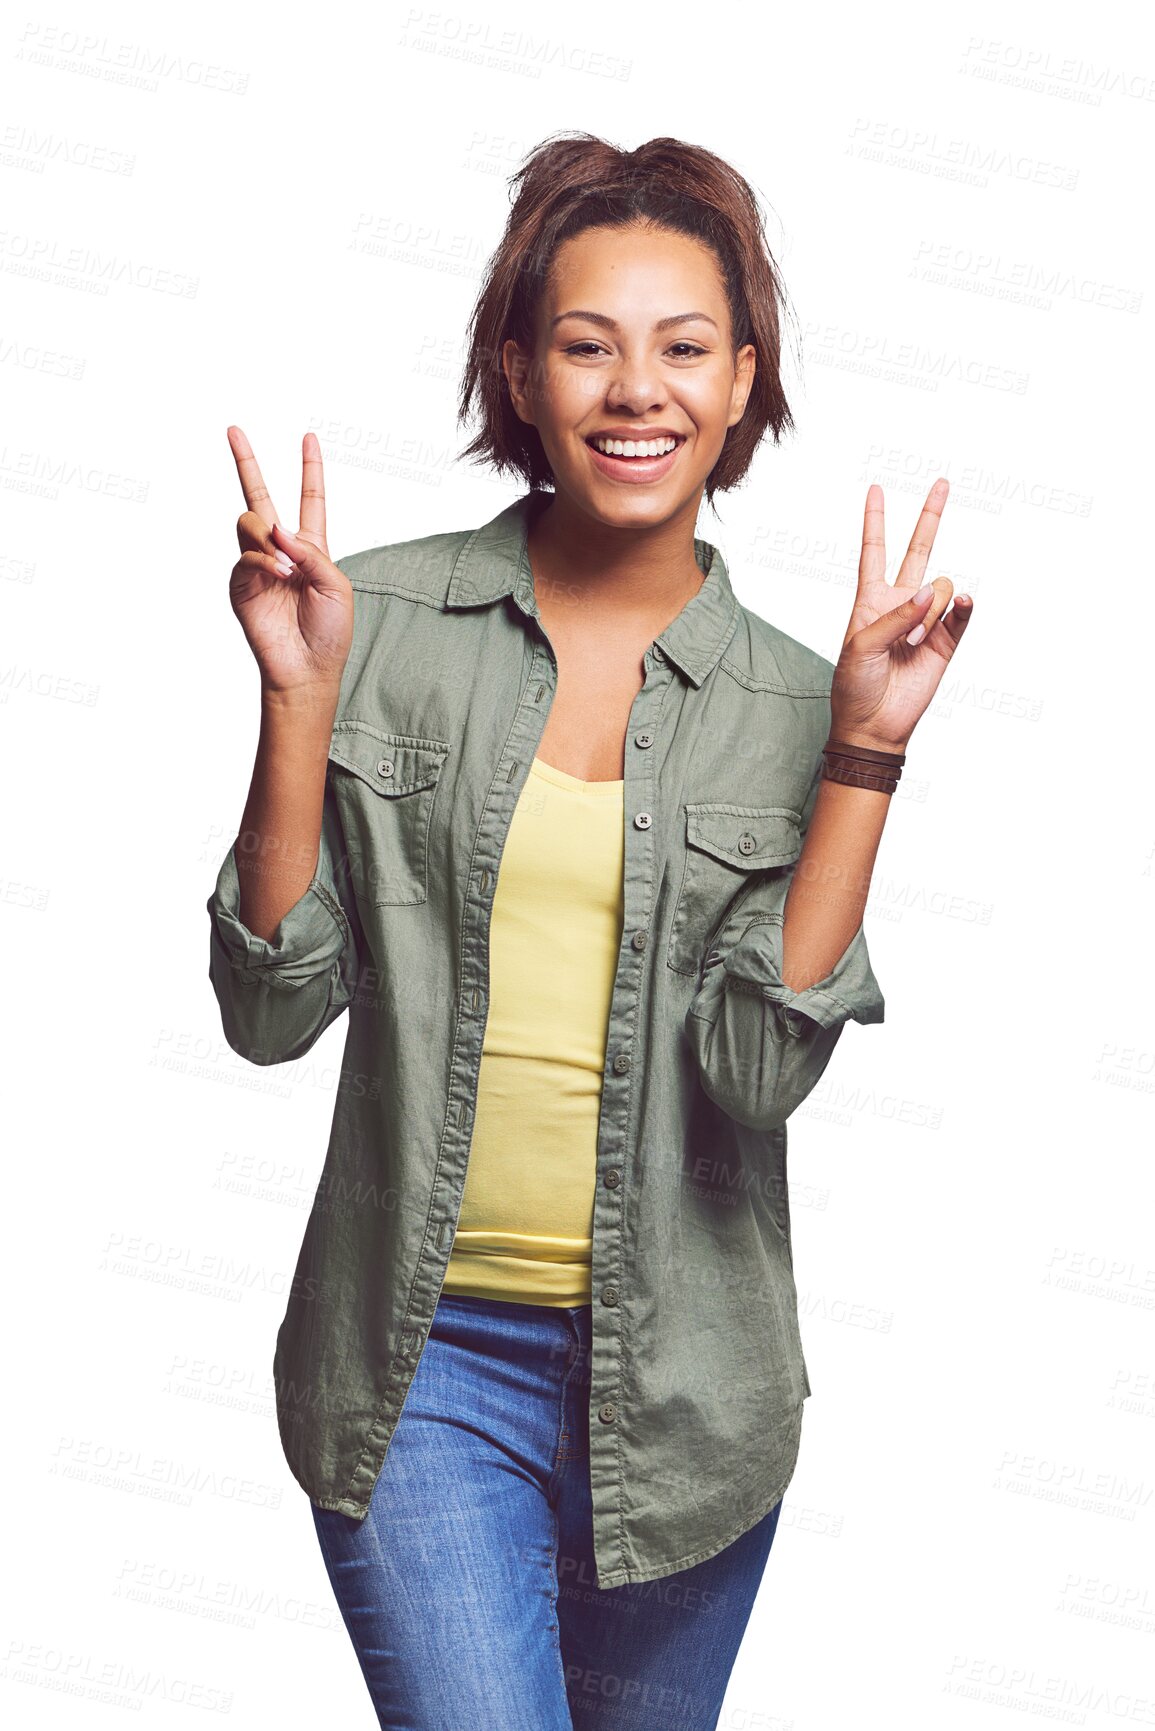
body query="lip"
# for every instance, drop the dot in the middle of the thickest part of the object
(635, 469)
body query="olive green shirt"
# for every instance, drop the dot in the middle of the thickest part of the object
(697, 1372)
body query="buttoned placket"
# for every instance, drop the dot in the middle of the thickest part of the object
(609, 1257)
(608, 1251)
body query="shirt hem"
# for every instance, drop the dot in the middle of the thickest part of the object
(625, 1576)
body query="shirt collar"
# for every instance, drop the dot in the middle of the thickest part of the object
(494, 562)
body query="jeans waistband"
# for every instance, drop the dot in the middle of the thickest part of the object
(498, 1325)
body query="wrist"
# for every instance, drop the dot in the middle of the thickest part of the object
(315, 697)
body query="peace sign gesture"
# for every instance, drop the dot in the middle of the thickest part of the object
(295, 606)
(893, 656)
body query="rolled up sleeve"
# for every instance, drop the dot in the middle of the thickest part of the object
(277, 996)
(759, 1046)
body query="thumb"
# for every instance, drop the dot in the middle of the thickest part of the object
(888, 628)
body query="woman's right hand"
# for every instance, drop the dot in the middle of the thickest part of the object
(295, 606)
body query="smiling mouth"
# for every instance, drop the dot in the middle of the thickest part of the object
(637, 450)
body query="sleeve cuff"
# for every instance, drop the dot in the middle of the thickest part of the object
(849, 990)
(309, 938)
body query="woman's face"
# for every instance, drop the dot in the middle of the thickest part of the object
(633, 339)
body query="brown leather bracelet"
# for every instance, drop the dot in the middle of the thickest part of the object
(869, 755)
(862, 766)
(851, 777)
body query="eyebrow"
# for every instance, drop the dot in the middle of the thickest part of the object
(612, 324)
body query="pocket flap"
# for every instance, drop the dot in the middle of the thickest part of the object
(747, 837)
(391, 763)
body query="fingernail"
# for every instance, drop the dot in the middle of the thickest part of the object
(283, 563)
(924, 593)
(917, 635)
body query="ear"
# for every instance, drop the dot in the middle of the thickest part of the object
(516, 365)
(745, 365)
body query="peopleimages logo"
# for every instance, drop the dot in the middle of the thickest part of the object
(1040, 70)
(1024, 281)
(510, 50)
(963, 159)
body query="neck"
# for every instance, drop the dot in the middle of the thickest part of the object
(625, 571)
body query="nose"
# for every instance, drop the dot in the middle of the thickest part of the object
(635, 386)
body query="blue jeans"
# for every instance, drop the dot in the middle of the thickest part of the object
(469, 1589)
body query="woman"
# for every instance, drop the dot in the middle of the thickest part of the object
(583, 847)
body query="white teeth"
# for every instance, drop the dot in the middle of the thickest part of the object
(635, 447)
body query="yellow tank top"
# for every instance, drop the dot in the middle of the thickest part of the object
(525, 1228)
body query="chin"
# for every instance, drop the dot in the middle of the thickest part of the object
(624, 507)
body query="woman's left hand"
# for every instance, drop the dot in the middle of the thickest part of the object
(893, 656)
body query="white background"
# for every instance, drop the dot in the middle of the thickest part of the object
(280, 218)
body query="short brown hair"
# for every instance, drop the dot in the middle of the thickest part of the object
(574, 181)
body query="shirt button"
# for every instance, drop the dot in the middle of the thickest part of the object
(643, 820)
(608, 1413)
(746, 843)
(659, 654)
(621, 1063)
(609, 1295)
(644, 740)
(385, 766)
(639, 940)
(612, 1178)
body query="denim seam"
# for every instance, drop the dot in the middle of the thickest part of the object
(555, 1594)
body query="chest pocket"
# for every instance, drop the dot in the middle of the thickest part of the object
(385, 785)
(732, 852)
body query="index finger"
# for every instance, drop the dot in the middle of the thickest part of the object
(257, 495)
(312, 487)
(914, 564)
